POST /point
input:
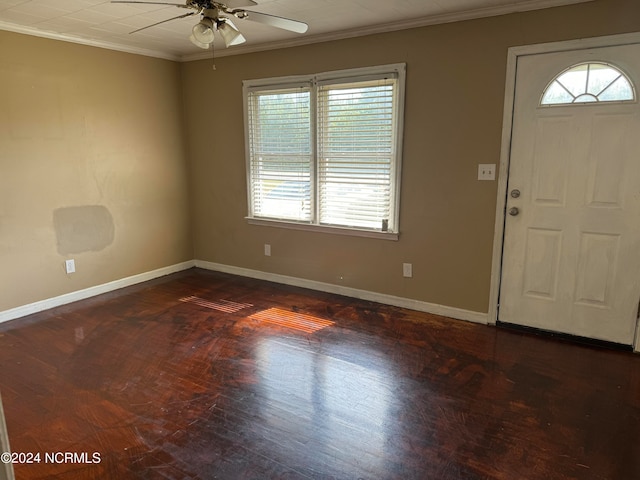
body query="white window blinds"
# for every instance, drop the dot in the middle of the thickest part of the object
(325, 151)
(280, 153)
(355, 153)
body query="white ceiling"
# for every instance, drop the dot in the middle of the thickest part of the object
(104, 24)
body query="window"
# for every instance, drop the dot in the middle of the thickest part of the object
(323, 151)
(589, 83)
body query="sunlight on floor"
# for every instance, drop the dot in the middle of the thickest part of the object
(221, 305)
(298, 321)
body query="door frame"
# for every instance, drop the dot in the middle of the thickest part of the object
(505, 150)
(6, 468)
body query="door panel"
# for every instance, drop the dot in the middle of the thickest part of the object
(571, 257)
(542, 263)
(607, 161)
(549, 165)
(597, 261)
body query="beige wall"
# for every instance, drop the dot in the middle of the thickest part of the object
(92, 167)
(453, 122)
(95, 159)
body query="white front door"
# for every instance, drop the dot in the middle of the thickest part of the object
(571, 256)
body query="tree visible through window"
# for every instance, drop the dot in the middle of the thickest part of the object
(323, 150)
(589, 83)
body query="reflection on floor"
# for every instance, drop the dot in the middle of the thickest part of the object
(207, 375)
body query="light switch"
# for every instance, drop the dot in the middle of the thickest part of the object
(487, 171)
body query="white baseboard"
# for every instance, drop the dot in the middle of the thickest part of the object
(409, 303)
(452, 312)
(35, 307)
(436, 309)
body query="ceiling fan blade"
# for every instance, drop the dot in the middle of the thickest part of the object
(239, 3)
(280, 22)
(182, 5)
(165, 21)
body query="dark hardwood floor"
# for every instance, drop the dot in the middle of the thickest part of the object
(206, 375)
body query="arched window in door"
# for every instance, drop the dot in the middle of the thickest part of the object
(589, 83)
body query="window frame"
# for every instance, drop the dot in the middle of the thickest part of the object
(314, 81)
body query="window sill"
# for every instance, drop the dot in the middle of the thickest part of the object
(353, 232)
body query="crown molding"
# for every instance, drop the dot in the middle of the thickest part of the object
(388, 27)
(305, 40)
(11, 27)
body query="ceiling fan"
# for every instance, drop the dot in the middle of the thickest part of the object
(215, 16)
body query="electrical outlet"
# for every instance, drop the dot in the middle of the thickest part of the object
(267, 250)
(70, 266)
(487, 171)
(407, 270)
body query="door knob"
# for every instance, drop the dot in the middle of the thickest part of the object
(513, 211)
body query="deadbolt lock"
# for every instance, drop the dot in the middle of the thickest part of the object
(515, 193)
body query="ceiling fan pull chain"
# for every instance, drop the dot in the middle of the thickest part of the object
(213, 55)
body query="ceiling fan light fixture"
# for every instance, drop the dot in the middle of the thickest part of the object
(203, 31)
(204, 46)
(230, 34)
